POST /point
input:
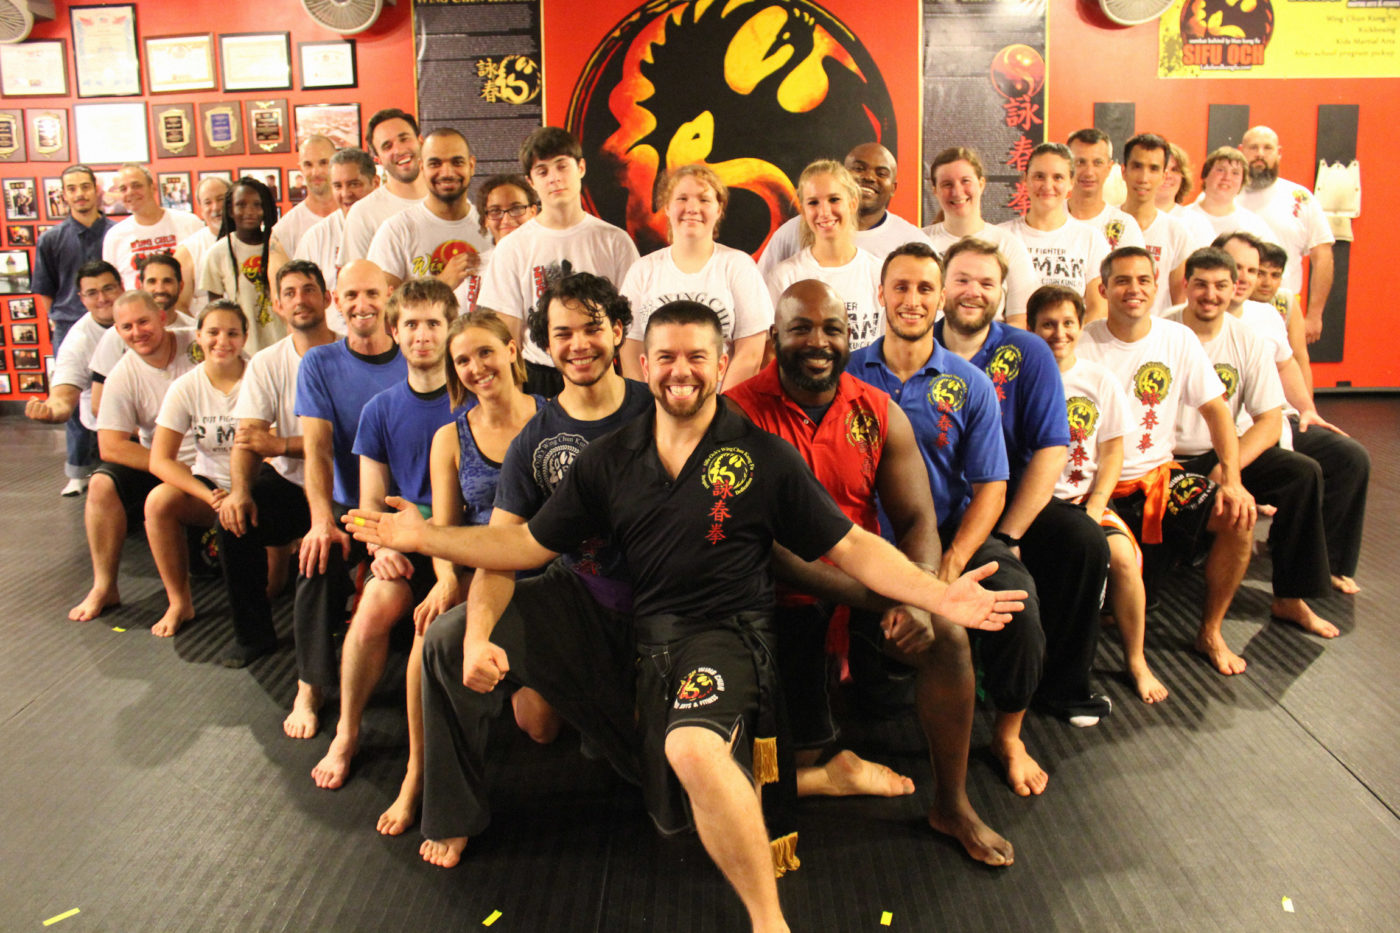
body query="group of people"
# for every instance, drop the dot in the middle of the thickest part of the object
(654, 498)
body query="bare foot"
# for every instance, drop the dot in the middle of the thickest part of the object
(170, 623)
(1023, 773)
(94, 604)
(302, 722)
(401, 813)
(1149, 688)
(1219, 654)
(331, 771)
(1301, 615)
(982, 842)
(1345, 585)
(444, 853)
(847, 774)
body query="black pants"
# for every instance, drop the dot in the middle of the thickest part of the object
(282, 517)
(544, 381)
(559, 641)
(1346, 475)
(1012, 659)
(1067, 555)
(1293, 484)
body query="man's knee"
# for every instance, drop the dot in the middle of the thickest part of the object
(102, 494)
(692, 752)
(382, 604)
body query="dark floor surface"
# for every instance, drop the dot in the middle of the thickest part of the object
(154, 791)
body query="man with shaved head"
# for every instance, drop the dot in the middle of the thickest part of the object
(314, 159)
(1297, 220)
(878, 231)
(860, 444)
(334, 382)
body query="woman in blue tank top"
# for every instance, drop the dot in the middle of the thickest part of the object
(485, 373)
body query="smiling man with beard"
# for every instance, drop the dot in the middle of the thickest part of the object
(860, 444)
(1058, 543)
(440, 236)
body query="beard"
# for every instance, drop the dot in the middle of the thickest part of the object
(1261, 177)
(686, 409)
(791, 365)
(952, 318)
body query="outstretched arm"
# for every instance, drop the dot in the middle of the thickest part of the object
(486, 547)
(877, 564)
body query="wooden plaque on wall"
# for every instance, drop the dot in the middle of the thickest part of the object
(175, 130)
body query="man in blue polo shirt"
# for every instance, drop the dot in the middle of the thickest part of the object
(953, 407)
(333, 385)
(59, 255)
(1057, 541)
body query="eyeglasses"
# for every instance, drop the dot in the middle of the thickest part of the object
(107, 290)
(516, 211)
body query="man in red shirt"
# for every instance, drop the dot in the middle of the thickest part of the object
(860, 444)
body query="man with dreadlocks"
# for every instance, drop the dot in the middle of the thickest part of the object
(239, 264)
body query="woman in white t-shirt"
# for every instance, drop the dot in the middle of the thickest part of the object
(245, 259)
(829, 199)
(1063, 250)
(200, 401)
(503, 202)
(696, 268)
(958, 182)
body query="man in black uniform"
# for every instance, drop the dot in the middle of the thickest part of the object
(696, 495)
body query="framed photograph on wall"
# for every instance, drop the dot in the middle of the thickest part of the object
(269, 128)
(55, 208)
(175, 130)
(44, 228)
(22, 309)
(12, 136)
(21, 199)
(340, 122)
(256, 61)
(26, 335)
(176, 191)
(222, 128)
(327, 64)
(111, 133)
(4, 380)
(112, 203)
(47, 135)
(32, 382)
(217, 173)
(180, 63)
(20, 235)
(14, 271)
(104, 50)
(35, 68)
(270, 176)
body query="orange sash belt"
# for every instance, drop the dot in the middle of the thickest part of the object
(1154, 485)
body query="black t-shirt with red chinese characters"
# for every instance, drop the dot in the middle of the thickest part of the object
(698, 546)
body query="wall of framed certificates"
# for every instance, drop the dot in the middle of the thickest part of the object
(189, 89)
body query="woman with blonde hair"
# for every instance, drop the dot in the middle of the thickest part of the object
(829, 200)
(958, 182)
(700, 269)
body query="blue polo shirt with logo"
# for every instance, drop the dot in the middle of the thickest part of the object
(1028, 387)
(953, 408)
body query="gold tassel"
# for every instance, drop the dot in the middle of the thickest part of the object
(784, 855)
(765, 760)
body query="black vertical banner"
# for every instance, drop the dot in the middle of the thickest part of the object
(479, 71)
(984, 88)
